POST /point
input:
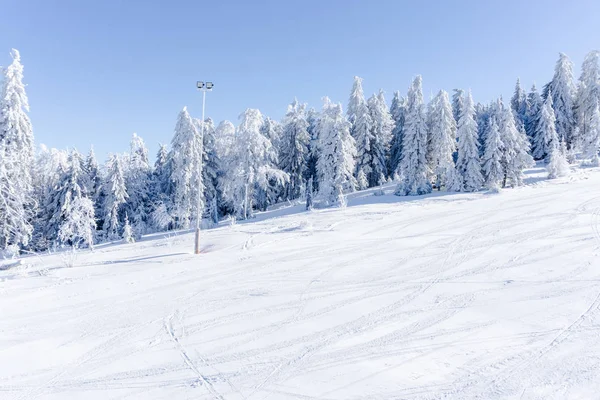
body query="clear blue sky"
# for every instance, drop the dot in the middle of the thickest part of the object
(97, 71)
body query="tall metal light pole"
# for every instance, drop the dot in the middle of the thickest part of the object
(204, 87)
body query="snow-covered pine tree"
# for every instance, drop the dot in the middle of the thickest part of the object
(115, 196)
(79, 225)
(493, 172)
(591, 141)
(137, 181)
(312, 118)
(588, 95)
(161, 191)
(273, 131)
(93, 180)
(70, 187)
(533, 116)
(482, 117)
(128, 236)
(442, 140)
(355, 102)
(519, 104)
(562, 89)
(558, 165)
(210, 172)
(336, 159)
(458, 99)
(398, 114)
(184, 159)
(468, 164)
(414, 172)
(250, 167)
(361, 131)
(545, 130)
(16, 159)
(381, 134)
(516, 147)
(294, 149)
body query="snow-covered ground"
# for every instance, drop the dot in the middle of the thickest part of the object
(461, 296)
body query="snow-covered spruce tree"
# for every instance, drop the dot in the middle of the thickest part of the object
(558, 165)
(591, 141)
(588, 95)
(493, 172)
(533, 116)
(482, 117)
(16, 159)
(336, 159)
(137, 181)
(225, 145)
(468, 165)
(312, 184)
(458, 99)
(161, 191)
(69, 188)
(398, 113)
(93, 181)
(79, 225)
(442, 140)
(519, 104)
(128, 236)
(361, 131)
(562, 90)
(516, 155)
(184, 159)
(414, 172)
(381, 134)
(294, 149)
(355, 102)
(115, 196)
(545, 131)
(210, 171)
(273, 131)
(250, 167)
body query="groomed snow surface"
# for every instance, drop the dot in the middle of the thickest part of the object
(454, 296)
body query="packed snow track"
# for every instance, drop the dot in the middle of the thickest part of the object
(447, 296)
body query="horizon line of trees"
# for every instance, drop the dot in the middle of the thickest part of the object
(57, 198)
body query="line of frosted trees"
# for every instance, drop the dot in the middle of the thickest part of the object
(57, 198)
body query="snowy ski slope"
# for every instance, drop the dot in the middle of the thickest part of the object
(454, 296)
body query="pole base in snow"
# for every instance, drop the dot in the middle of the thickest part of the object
(197, 246)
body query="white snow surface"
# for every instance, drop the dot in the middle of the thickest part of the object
(453, 296)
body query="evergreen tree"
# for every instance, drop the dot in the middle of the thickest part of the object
(115, 196)
(355, 103)
(545, 130)
(562, 89)
(312, 118)
(442, 140)
(336, 158)
(482, 117)
(128, 236)
(458, 99)
(137, 181)
(398, 114)
(533, 116)
(185, 160)
(591, 141)
(210, 172)
(413, 165)
(79, 226)
(361, 131)
(493, 171)
(162, 190)
(557, 164)
(588, 95)
(516, 155)
(294, 149)
(467, 163)
(16, 159)
(251, 167)
(273, 131)
(519, 103)
(381, 133)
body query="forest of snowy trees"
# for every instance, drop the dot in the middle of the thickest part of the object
(51, 198)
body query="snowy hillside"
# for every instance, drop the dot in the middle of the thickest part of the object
(461, 296)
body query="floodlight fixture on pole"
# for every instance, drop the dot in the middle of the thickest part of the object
(204, 87)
